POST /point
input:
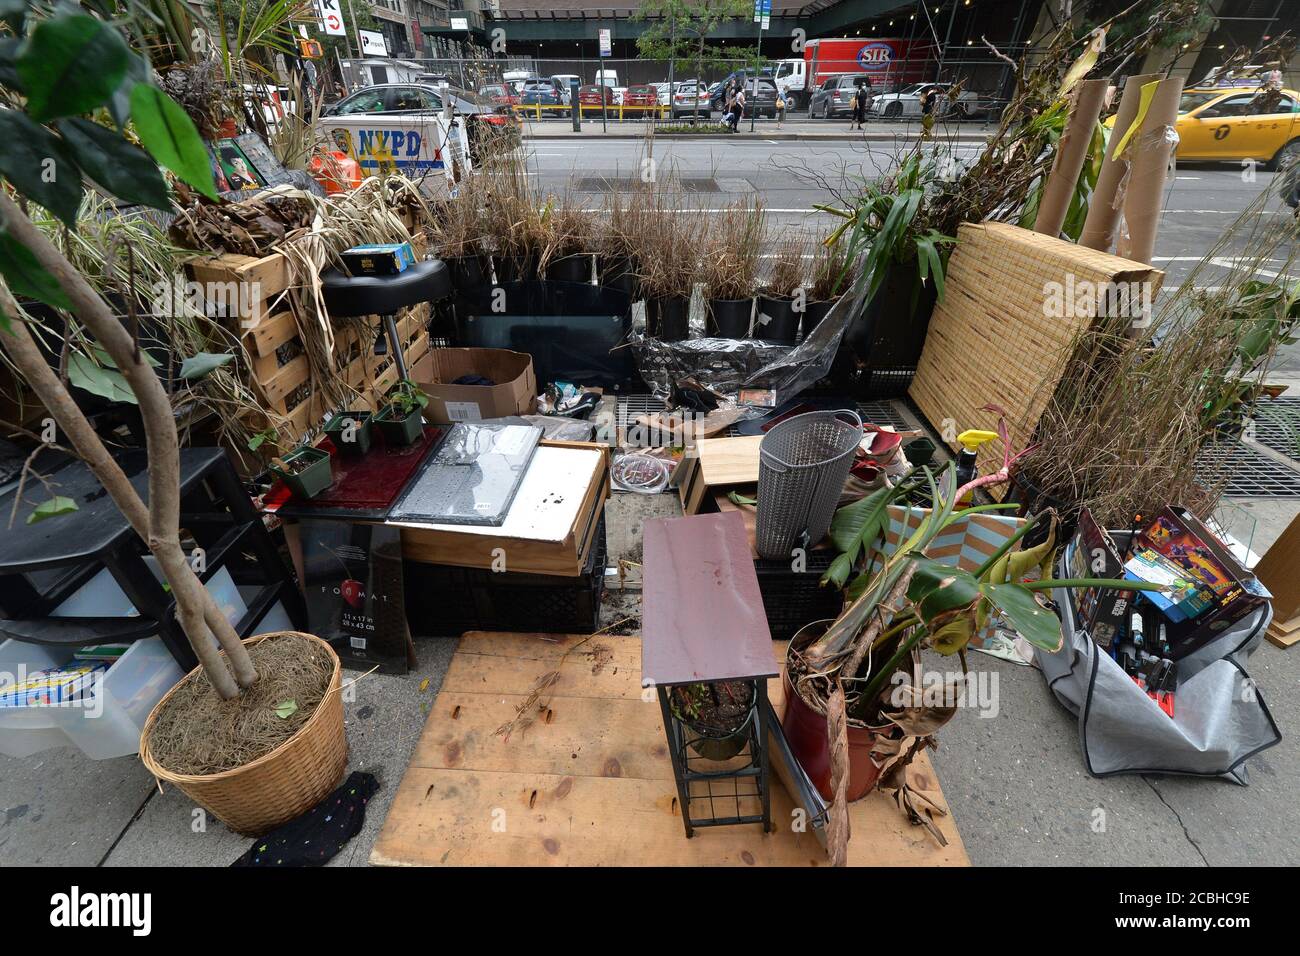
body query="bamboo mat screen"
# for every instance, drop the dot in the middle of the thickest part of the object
(999, 332)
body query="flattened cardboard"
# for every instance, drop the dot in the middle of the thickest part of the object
(515, 391)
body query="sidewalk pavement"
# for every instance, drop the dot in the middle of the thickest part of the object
(765, 129)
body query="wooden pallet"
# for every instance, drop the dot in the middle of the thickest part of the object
(280, 374)
(589, 782)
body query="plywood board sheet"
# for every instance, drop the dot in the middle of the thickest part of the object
(588, 782)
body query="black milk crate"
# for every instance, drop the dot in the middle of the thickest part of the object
(443, 601)
(793, 599)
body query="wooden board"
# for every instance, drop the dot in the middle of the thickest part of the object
(993, 340)
(717, 463)
(1279, 571)
(589, 783)
(550, 527)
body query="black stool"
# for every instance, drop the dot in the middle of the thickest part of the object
(345, 295)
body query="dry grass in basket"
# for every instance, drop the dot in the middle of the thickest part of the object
(198, 733)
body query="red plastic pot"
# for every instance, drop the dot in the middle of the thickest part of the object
(805, 729)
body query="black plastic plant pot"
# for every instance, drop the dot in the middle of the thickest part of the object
(1033, 500)
(668, 317)
(729, 318)
(814, 313)
(516, 268)
(350, 432)
(777, 320)
(397, 427)
(469, 273)
(310, 472)
(570, 269)
(619, 272)
(919, 452)
(725, 747)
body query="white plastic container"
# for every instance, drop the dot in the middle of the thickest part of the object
(108, 724)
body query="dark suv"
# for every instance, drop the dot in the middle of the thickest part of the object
(758, 102)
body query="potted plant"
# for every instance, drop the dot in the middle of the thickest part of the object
(616, 265)
(829, 281)
(460, 238)
(567, 256)
(854, 674)
(400, 420)
(719, 714)
(670, 261)
(730, 268)
(306, 471)
(266, 781)
(350, 432)
(778, 321)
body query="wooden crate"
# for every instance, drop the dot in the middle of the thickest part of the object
(993, 340)
(717, 463)
(280, 374)
(589, 782)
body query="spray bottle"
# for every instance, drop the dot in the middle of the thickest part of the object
(971, 439)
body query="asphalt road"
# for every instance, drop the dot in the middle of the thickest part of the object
(791, 176)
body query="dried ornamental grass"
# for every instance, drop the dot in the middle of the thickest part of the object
(731, 257)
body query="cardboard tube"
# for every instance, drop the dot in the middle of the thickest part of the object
(1150, 151)
(1103, 213)
(1071, 151)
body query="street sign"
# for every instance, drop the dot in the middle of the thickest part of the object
(331, 17)
(372, 44)
(606, 42)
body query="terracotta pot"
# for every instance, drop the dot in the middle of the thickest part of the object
(805, 729)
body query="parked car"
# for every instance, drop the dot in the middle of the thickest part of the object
(499, 94)
(760, 99)
(546, 94)
(563, 80)
(716, 91)
(835, 97)
(662, 90)
(690, 98)
(1236, 125)
(416, 98)
(592, 95)
(641, 96)
(907, 102)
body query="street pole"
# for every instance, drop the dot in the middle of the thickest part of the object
(758, 54)
(672, 62)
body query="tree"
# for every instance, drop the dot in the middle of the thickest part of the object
(681, 28)
(61, 71)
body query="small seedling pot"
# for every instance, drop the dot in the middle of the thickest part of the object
(729, 318)
(337, 429)
(398, 428)
(570, 269)
(777, 320)
(312, 473)
(919, 452)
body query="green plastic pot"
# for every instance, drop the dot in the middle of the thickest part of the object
(337, 428)
(919, 452)
(399, 428)
(311, 480)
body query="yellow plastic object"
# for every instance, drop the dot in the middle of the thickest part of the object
(972, 438)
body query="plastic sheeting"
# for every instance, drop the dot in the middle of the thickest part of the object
(729, 365)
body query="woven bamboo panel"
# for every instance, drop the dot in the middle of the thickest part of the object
(995, 338)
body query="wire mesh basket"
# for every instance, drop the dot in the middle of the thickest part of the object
(803, 464)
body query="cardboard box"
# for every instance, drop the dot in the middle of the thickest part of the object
(1103, 611)
(515, 391)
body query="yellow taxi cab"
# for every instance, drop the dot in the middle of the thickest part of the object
(1235, 124)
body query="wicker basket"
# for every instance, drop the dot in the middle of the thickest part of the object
(275, 787)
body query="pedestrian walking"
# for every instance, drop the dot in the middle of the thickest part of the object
(780, 109)
(928, 96)
(738, 113)
(860, 99)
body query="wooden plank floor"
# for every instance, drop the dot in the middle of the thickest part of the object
(589, 782)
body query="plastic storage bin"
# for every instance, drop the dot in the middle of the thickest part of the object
(108, 723)
(794, 599)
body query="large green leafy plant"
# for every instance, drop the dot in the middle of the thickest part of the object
(74, 96)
